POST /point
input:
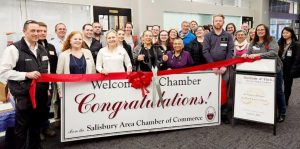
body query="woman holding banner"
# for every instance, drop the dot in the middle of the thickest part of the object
(112, 57)
(265, 46)
(74, 59)
(178, 58)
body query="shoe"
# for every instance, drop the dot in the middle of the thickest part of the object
(42, 137)
(49, 132)
(225, 120)
(281, 118)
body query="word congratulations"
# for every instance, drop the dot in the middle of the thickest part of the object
(88, 103)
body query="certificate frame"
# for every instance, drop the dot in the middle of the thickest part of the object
(258, 66)
(255, 98)
(271, 109)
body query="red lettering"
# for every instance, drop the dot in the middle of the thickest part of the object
(84, 102)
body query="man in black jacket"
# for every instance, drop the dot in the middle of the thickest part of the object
(90, 42)
(24, 61)
(46, 130)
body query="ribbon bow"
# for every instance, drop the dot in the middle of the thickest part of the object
(140, 80)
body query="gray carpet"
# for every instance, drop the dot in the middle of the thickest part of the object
(243, 135)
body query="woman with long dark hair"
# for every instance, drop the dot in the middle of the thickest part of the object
(265, 46)
(173, 34)
(231, 28)
(288, 46)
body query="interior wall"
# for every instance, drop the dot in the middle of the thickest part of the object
(150, 12)
(153, 13)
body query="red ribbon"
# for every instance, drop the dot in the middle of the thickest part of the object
(141, 82)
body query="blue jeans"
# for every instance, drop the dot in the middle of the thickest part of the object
(279, 94)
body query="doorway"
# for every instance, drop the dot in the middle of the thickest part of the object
(111, 18)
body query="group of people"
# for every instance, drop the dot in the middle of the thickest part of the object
(90, 51)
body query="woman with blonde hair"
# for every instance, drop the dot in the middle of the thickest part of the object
(112, 57)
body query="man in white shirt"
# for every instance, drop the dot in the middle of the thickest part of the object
(58, 41)
(24, 61)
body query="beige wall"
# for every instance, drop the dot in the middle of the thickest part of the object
(261, 11)
(144, 12)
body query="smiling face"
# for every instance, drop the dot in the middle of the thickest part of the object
(155, 30)
(178, 45)
(193, 25)
(173, 34)
(128, 28)
(147, 37)
(240, 36)
(185, 27)
(31, 32)
(261, 31)
(199, 32)
(111, 39)
(76, 41)
(230, 29)
(61, 30)
(42, 33)
(252, 33)
(163, 36)
(88, 31)
(120, 35)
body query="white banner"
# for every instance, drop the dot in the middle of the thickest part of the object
(107, 108)
(254, 98)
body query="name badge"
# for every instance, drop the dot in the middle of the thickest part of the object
(223, 44)
(44, 58)
(256, 48)
(27, 60)
(289, 53)
(51, 52)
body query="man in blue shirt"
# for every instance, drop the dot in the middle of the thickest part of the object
(185, 33)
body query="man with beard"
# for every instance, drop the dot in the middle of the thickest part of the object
(98, 35)
(219, 45)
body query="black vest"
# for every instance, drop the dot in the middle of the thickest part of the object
(27, 62)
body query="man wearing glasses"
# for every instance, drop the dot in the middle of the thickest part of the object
(24, 61)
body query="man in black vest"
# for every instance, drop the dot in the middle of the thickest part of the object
(23, 61)
(90, 42)
(46, 129)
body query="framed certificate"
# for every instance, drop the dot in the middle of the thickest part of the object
(254, 98)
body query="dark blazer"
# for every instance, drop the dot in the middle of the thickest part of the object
(127, 47)
(51, 54)
(295, 63)
(95, 47)
(195, 50)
